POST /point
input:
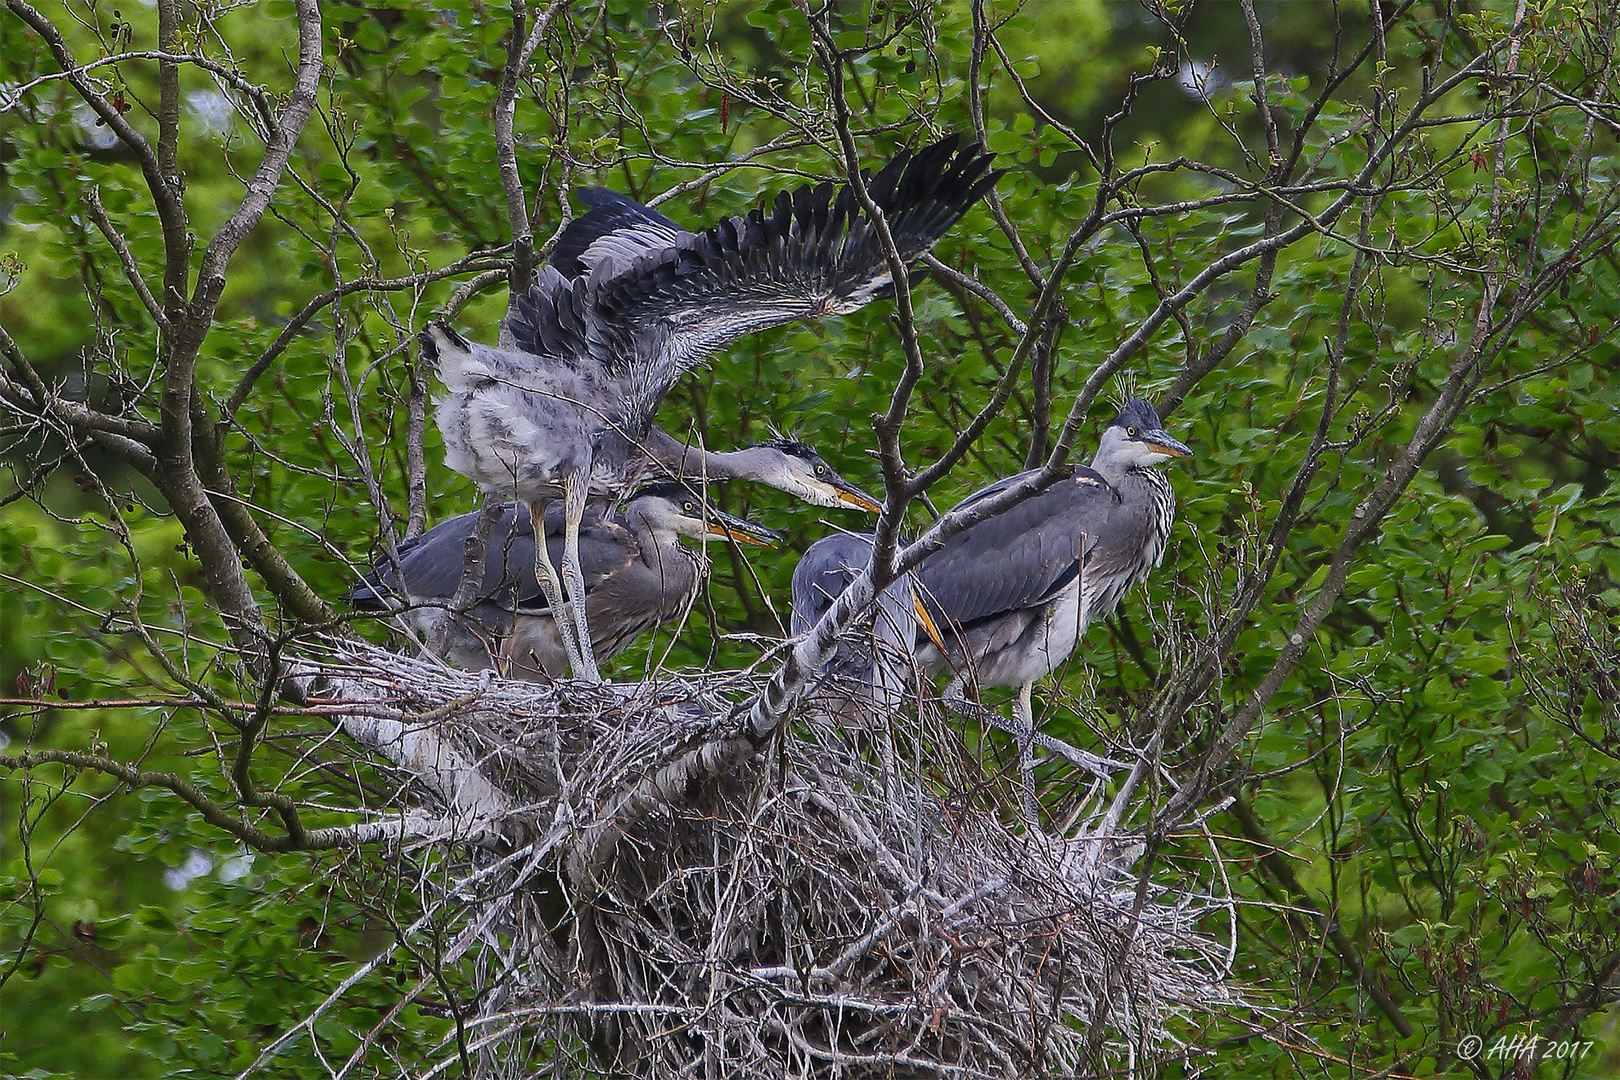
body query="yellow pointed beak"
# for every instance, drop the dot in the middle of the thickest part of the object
(850, 495)
(927, 624)
(753, 540)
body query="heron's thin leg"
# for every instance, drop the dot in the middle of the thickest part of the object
(1024, 717)
(549, 584)
(576, 486)
(958, 703)
(988, 718)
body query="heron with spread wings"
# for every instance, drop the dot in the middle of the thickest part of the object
(562, 416)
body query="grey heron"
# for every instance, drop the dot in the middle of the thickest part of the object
(874, 661)
(1011, 596)
(431, 564)
(561, 417)
(618, 227)
(637, 574)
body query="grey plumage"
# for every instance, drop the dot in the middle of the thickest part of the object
(636, 575)
(784, 464)
(431, 566)
(1011, 596)
(876, 658)
(562, 416)
(615, 226)
(432, 563)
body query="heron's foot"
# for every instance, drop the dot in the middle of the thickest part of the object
(551, 587)
(1100, 767)
(1081, 759)
(586, 669)
(564, 621)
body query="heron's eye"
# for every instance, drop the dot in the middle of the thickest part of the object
(1132, 432)
(820, 471)
(688, 508)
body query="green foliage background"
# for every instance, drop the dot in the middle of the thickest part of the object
(1441, 772)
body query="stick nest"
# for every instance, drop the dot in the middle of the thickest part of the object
(840, 902)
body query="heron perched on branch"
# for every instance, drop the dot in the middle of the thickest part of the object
(1010, 596)
(561, 419)
(637, 575)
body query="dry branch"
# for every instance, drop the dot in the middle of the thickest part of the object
(797, 909)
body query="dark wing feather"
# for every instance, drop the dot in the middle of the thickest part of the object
(606, 548)
(807, 253)
(432, 562)
(1018, 559)
(645, 591)
(824, 572)
(551, 319)
(614, 223)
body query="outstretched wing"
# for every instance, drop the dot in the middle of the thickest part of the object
(1018, 559)
(612, 234)
(812, 252)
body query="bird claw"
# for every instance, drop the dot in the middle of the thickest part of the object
(1081, 759)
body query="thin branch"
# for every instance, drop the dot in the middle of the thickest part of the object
(126, 258)
(484, 263)
(517, 66)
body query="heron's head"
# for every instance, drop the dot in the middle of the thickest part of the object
(1135, 440)
(793, 467)
(673, 507)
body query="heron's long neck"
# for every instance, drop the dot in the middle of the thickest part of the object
(648, 537)
(694, 461)
(1161, 510)
(1108, 468)
(724, 464)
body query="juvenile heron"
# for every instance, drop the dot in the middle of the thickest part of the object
(1014, 594)
(784, 464)
(1011, 595)
(562, 418)
(637, 574)
(431, 564)
(877, 657)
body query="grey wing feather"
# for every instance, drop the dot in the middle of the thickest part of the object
(432, 562)
(646, 591)
(1018, 559)
(615, 227)
(606, 549)
(823, 573)
(878, 649)
(806, 253)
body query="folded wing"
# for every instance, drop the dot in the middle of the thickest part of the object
(1020, 558)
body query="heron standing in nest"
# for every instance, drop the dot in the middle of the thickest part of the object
(563, 419)
(1006, 600)
(430, 565)
(637, 575)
